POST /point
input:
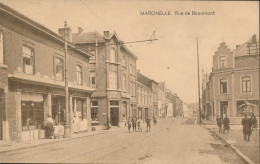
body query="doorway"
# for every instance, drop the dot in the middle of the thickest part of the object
(223, 108)
(114, 116)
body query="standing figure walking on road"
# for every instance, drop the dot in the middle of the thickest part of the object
(226, 122)
(154, 121)
(49, 127)
(148, 122)
(134, 119)
(129, 124)
(247, 125)
(219, 123)
(139, 125)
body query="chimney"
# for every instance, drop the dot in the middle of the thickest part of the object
(65, 32)
(106, 34)
(80, 30)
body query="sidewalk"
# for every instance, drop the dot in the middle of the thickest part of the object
(13, 145)
(248, 150)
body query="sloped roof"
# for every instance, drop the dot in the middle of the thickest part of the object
(243, 50)
(86, 37)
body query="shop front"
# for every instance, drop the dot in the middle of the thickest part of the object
(32, 116)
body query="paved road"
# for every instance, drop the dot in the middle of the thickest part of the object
(178, 141)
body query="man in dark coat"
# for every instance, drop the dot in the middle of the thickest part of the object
(219, 123)
(134, 119)
(226, 122)
(247, 125)
(148, 122)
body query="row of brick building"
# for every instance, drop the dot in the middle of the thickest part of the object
(232, 87)
(104, 85)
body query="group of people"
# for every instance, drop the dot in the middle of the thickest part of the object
(223, 125)
(248, 123)
(133, 122)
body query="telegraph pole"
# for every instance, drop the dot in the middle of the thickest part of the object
(67, 114)
(198, 78)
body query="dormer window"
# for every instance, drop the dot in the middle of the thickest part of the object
(112, 55)
(28, 63)
(222, 62)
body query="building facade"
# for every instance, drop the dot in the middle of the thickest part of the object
(162, 103)
(232, 87)
(32, 83)
(147, 97)
(113, 74)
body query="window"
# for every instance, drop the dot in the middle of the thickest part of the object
(28, 60)
(112, 55)
(246, 84)
(131, 69)
(124, 82)
(133, 88)
(222, 62)
(94, 110)
(92, 59)
(113, 80)
(124, 62)
(79, 74)
(1, 48)
(59, 68)
(92, 80)
(223, 85)
(32, 115)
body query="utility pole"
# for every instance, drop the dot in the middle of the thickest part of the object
(198, 78)
(67, 114)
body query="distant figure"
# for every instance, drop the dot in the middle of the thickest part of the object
(75, 124)
(254, 122)
(148, 122)
(247, 125)
(226, 122)
(154, 121)
(219, 123)
(49, 127)
(129, 124)
(134, 120)
(56, 131)
(139, 125)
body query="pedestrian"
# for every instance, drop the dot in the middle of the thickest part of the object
(139, 125)
(254, 122)
(49, 127)
(129, 124)
(134, 120)
(247, 125)
(148, 122)
(226, 122)
(75, 124)
(219, 123)
(154, 121)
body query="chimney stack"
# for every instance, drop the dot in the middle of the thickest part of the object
(80, 30)
(106, 34)
(65, 32)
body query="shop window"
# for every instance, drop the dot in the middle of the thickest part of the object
(32, 115)
(246, 84)
(222, 62)
(59, 68)
(1, 48)
(58, 109)
(28, 60)
(247, 107)
(223, 85)
(79, 74)
(94, 110)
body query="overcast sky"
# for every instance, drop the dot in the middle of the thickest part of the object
(173, 57)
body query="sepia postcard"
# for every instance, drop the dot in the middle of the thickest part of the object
(161, 81)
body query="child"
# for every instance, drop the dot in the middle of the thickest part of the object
(139, 125)
(56, 131)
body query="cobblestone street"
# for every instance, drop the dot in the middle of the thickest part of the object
(178, 141)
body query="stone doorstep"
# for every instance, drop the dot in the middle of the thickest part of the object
(236, 150)
(13, 145)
